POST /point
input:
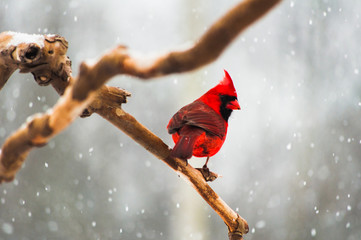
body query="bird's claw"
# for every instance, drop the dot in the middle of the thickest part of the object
(208, 175)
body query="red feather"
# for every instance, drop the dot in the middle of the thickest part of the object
(200, 128)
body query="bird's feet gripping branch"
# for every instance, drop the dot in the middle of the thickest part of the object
(207, 174)
(200, 128)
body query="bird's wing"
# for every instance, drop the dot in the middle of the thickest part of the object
(177, 121)
(207, 119)
(199, 115)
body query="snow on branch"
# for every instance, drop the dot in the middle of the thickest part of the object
(44, 56)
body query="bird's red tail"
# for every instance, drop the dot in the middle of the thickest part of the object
(188, 136)
(184, 148)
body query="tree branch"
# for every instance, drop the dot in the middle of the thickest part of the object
(44, 56)
(87, 90)
(208, 48)
(130, 126)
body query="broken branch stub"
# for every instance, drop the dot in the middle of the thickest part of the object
(42, 55)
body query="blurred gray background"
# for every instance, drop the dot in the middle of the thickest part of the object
(291, 161)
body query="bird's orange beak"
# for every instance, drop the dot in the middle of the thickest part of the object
(233, 105)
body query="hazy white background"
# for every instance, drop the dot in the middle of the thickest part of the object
(291, 161)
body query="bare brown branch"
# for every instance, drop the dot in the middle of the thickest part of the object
(209, 46)
(44, 56)
(129, 125)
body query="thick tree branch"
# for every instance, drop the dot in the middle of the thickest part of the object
(209, 46)
(44, 57)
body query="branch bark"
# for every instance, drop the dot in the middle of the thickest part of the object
(44, 56)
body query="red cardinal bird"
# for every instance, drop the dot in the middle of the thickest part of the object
(200, 128)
